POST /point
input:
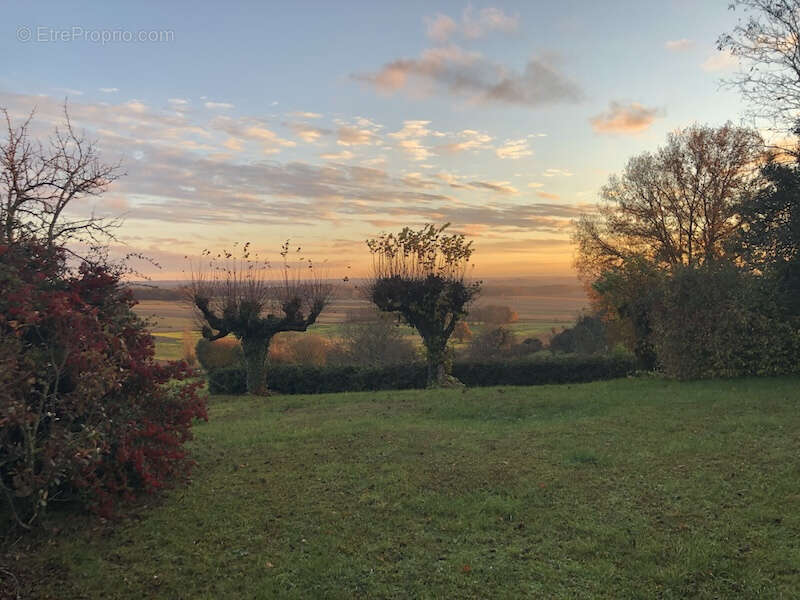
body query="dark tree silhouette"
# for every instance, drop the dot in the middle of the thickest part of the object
(767, 42)
(238, 295)
(676, 206)
(421, 275)
(39, 182)
(769, 239)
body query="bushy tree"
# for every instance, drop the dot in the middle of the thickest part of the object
(587, 336)
(375, 342)
(715, 320)
(85, 410)
(769, 240)
(237, 295)
(421, 275)
(493, 344)
(626, 296)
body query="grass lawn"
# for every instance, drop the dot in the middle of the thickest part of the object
(623, 489)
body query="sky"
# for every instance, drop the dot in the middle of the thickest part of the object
(330, 122)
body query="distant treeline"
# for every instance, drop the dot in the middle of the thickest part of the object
(146, 292)
(353, 290)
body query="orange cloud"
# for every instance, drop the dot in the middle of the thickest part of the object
(621, 118)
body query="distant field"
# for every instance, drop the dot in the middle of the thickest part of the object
(638, 488)
(538, 316)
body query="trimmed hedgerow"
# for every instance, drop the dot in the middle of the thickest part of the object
(298, 379)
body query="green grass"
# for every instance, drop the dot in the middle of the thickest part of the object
(623, 489)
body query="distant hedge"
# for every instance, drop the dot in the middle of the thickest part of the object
(299, 379)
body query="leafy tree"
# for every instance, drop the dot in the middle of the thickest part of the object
(767, 41)
(676, 206)
(769, 239)
(86, 413)
(376, 342)
(235, 295)
(493, 314)
(587, 336)
(421, 275)
(626, 296)
(716, 321)
(493, 344)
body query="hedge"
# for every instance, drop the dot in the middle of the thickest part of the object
(299, 379)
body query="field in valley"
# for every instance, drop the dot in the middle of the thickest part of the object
(547, 308)
(636, 488)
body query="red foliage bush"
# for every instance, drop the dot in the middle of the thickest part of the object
(85, 411)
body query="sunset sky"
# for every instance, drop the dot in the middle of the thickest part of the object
(328, 122)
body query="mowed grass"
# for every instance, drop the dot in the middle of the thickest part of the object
(637, 488)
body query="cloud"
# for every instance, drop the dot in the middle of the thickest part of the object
(218, 105)
(514, 149)
(622, 118)
(556, 173)
(305, 115)
(440, 27)
(468, 139)
(188, 175)
(501, 187)
(412, 129)
(414, 149)
(343, 155)
(307, 133)
(679, 45)
(109, 90)
(720, 61)
(408, 139)
(473, 25)
(354, 136)
(234, 144)
(451, 70)
(535, 184)
(178, 101)
(252, 130)
(548, 196)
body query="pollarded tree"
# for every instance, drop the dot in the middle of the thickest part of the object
(238, 295)
(421, 275)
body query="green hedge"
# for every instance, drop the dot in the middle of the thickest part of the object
(298, 379)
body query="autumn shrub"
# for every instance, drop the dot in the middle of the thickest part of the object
(492, 344)
(717, 321)
(376, 342)
(86, 413)
(492, 314)
(218, 354)
(302, 349)
(587, 336)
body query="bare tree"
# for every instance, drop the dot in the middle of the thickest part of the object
(674, 206)
(421, 275)
(767, 41)
(242, 296)
(38, 183)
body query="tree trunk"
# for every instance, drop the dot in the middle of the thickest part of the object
(255, 358)
(439, 367)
